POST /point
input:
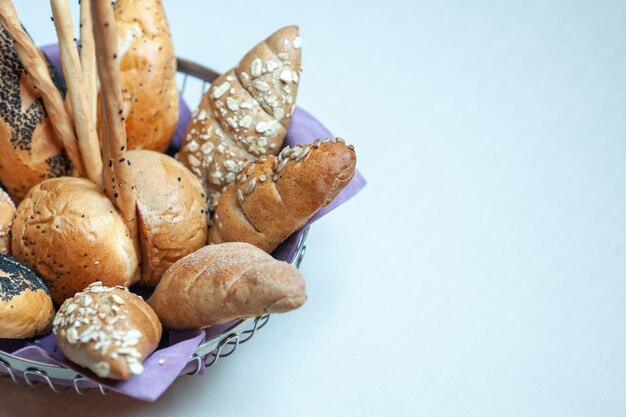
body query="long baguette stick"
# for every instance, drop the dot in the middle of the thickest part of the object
(88, 58)
(117, 177)
(39, 76)
(84, 123)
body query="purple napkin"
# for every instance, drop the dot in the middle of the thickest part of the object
(177, 347)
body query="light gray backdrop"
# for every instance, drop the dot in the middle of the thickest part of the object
(483, 270)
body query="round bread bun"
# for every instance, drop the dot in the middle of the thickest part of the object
(148, 68)
(172, 212)
(70, 233)
(25, 305)
(7, 214)
(117, 331)
(29, 149)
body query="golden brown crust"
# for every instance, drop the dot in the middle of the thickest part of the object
(148, 68)
(117, 177)
(80, 110)
(276, 196)
(246, 112)
(71, 235)
(29, 150)
(25, 305)
(108, 330)
(7, 214)
(220, 283)
(172, 212)
(39, 78)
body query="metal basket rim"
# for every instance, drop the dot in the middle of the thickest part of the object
(68, 377)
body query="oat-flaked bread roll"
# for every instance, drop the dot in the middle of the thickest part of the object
(220, 283)
(172, 211)
(116, 331)
(148, 67)
(25, 306)
(29, 149)
(246, 112)
(7, 214)
(276, 196)
(70, 233)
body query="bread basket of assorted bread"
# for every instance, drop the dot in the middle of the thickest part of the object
(140, 241)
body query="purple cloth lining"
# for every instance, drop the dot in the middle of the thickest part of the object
(177, 347)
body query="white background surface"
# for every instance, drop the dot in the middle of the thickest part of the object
(482, 271)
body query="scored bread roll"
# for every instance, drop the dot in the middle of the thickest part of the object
(108, 330)
(7, 214)
(172, 211)
(276, 196)
(25, 306)
(29, 148)
(70, 233)
(148, 68)
(246, 111)
(220, 283)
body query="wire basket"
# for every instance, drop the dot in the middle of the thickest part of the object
(193, 80)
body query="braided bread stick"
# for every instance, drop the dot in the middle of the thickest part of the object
(276, 196)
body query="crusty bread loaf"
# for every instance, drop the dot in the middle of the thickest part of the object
(276, 196)
(7, 214)
(148, 67)
(220, 283)
(108, 330)
(70, 233)
(25, 305)
(29, 149)
(172, 211)
(246, 112)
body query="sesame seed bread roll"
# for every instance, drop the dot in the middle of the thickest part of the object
(70, 233)
(111, 331)
(246, 112)
(276, 196)
(25, 305)
(7, 214)
(29, 148)
(148, 68)
(220, 283)
(172, 212)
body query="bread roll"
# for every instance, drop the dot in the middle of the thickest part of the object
(220, 283)
(25, 305)
(276, 196)
(7, 214)
(172, 211)
(148, 67)
(29, 149)
(108, 330)
(246, 112)
(70, 233)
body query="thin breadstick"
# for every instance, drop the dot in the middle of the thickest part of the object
(117, 177)
(39, 76)
(84, 123)
(88, 58)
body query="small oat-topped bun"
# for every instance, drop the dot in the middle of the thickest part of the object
(108, 330)
(70, 233)
(25, 305)
(7, 214)
(172, 211)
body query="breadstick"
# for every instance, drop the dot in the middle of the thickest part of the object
(88, 58)
(83, 121)
(39, 76)
(117, 175)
